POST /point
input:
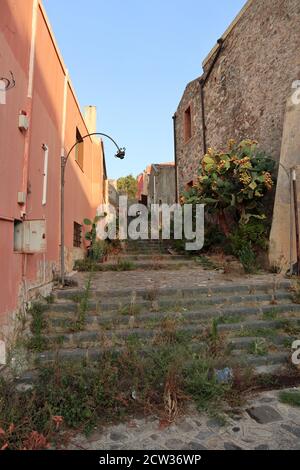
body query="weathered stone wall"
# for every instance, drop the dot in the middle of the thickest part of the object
(188, 153)
(161, 187)
(246, 93)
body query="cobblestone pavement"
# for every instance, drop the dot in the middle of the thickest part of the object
(180, 278)
(263, 424)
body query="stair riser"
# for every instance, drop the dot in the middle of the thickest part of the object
(255, 324)
(149, 266)
(191, 320)
(278, 342)
(87, 339)
(243, 305)
(93, 340)
(146, 257)
(95, 353)
(187, 292)
(157, 295)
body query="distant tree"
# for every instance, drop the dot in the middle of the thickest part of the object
(128, 185)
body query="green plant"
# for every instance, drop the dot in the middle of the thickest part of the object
(83, 304)
(99, 250)
(201, 385)
(96, 246)
(120, 385)
(124, 265)
(37, 342)
(268, 381)
(215, 340)
(296, 292)
(50, 299)
(227, 319)
(89, 265)
(86, 264)
(270, 314)
(128, 185)
(214, 334)
(290, 397)
(252, 332)
(234, 185)
(206, 263)
(168, 333)
(291, 329)
(213, 236)
(259, 347)
(248, 259)
(131, 309)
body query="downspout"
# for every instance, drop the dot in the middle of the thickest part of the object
(202, 83)
(25, 174)
(175, 157)
(62, 176)
(29, 103)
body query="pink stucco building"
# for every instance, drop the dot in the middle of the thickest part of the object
(40, 120)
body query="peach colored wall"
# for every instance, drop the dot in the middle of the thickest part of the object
(84, 189)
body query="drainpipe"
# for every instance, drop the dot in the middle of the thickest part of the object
(45, 174)
(202, 83)
(154, 181)
(175, 157)
(62, 177)
(29, 103)
(25, 173)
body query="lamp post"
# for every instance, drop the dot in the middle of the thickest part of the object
(120, 154)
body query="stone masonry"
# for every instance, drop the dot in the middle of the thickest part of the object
(245, 95)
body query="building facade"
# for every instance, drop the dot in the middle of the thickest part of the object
(156, 185)
(246, 81)
(143, 186)
(40, 120)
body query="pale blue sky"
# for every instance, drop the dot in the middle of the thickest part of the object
(133, 59)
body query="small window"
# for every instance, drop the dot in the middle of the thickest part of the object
(187, 124)
(79, 149)
(18, 235)
(77, 235)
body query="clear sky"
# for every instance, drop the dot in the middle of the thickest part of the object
(133, 59)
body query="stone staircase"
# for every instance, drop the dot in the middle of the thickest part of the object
(149, 254)
(250, 321)
(253, 322)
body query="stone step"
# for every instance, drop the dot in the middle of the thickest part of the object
(260, 324)
(164, 258)
(208, 308)
(146, 251)
(152, 265)
(147, 257)
(278, 341)
(86, 339)
(269, 370)
(243, 313)
(267, 360)
(188, 321)
(272, 360)
(130, 243)
(99, 336)
(195, 292)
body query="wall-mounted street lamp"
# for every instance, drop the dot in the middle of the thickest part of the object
(9, 82)
(120, 154)
(5, 85)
